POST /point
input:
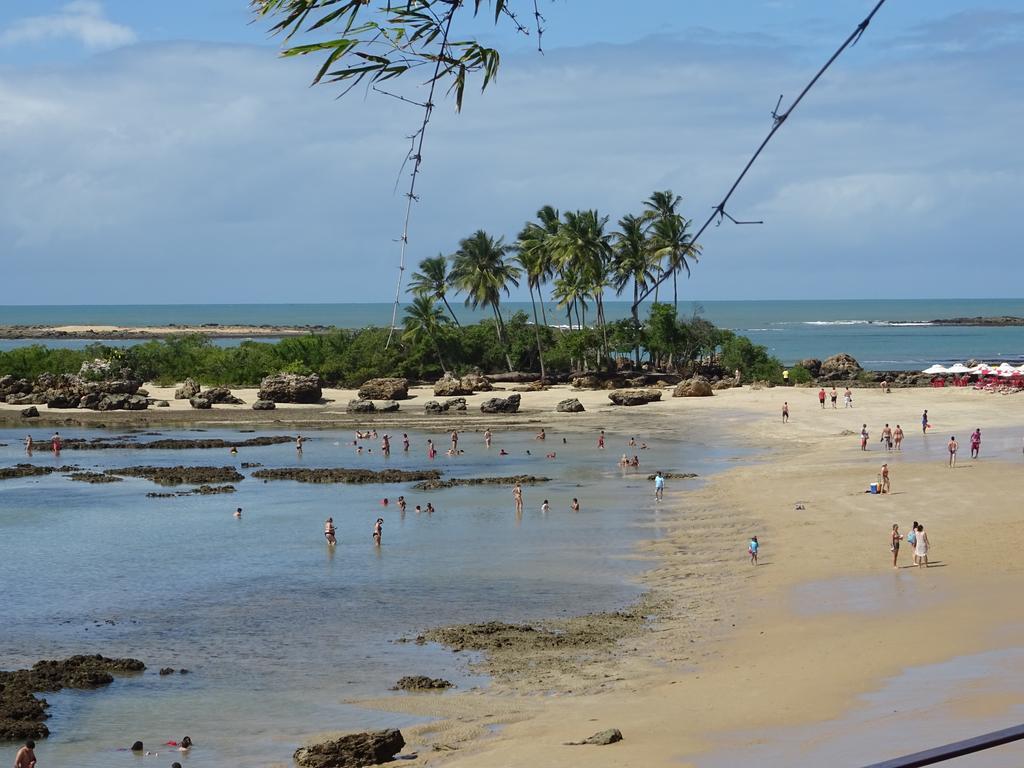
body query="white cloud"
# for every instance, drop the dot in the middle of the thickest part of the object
(81, 20)
(233, 181)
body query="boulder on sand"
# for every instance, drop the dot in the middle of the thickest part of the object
(634, 396)
(569, 405)
(841, 366)
(291, 388)
(221, 396)
(698, 386)
(449, 386)
(361, 406)
(353, 751)
(264, 405)
(508, 404)
(384, 389)
(476, 382)
(188, 389)
(388, 406)
(30, 413)
(200, 403)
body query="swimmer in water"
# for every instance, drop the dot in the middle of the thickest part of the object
(575, 506)
(503, 452)
(299, 440)
(541, 435)
(545, 508)
(401, 503)
(487, 438)
(385, 445)
(28, 444)
(378, 531)
(430, 509)
(233, 451)
(329, 531)
(600, 440)
(517, 497)
(405, 442)
(238, 512)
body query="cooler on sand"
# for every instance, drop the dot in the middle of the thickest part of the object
(874, 487)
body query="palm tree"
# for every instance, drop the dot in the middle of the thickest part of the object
(530, 255)
(583, 247)
(423, 318)
(433, 280)
(633, 260)
(479, 270)
(670, 238)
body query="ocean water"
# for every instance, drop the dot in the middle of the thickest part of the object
(278, 630)
(881, 334)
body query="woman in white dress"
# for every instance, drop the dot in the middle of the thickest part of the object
(921, 547)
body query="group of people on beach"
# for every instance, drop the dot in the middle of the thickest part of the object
(917, 540)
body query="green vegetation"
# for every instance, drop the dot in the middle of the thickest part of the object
(430, 344)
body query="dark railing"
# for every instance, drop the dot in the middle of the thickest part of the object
(954, 750)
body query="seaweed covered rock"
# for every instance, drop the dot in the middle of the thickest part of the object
(342, 475)
(422, 683)
(508, 404)
(291, 388)
(180, 475)
(384, 389)
(352, 751)
(22, 715)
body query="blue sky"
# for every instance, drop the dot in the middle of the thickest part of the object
(156, 152)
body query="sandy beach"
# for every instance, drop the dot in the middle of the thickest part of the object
(735, 651)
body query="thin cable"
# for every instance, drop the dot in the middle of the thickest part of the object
(719, 210)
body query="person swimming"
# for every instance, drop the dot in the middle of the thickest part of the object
(238, 512)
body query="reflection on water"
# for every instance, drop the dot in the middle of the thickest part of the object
(919, 709)
(276, 628)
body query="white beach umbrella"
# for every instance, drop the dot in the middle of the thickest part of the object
(1006, 367)
(935, 369)
(959, 368)
(980, 368)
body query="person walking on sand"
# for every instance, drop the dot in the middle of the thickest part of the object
(864, 437)
(924, 422)
(487, 438)
(659, 486)
(887, 437)
(976, 443)
(329, 531)
(894, 544)
(897, 438)
(885, 480)
(517, 497)
(378, 530)
(912, 541)
(834, 395)
(752, 550)
(921, 547)
(785, 412)
(821, 397)
(953, 445)
(848, 398)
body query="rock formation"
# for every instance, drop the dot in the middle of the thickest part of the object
(384, 389)
(634, 396)
(291, 388)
